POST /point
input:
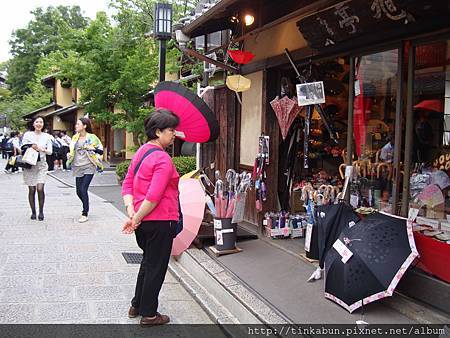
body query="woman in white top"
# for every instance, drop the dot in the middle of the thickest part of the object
(34, 177)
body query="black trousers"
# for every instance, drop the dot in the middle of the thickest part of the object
(64, 152)
(50, 161)
(155, 238)
(82, 184)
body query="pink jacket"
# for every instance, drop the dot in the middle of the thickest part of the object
(156, 181)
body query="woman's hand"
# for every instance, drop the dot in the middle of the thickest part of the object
(136, 220)
(128, 227)
(35, 147)
(130, 211)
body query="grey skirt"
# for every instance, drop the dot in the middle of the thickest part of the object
(36, 174)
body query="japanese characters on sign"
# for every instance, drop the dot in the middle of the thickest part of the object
(354, 18)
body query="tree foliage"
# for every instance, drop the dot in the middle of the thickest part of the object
(45, 33)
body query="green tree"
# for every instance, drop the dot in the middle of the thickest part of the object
(46, 32)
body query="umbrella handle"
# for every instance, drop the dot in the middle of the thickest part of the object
(238, 98)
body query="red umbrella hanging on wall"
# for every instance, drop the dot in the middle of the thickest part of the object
(286, 110)
(241, 56)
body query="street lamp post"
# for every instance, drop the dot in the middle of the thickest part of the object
(163, 32)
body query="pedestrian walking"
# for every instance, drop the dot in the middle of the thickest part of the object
(65, 143)
(150, 194)
(57, 150)
(50, 158)
(35, 177)
(3, 141)
(85, 159)
(13, 149)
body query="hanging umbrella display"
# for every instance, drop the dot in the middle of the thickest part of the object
(331, 220)
(240, 56)
(368, 260)
(286, 110)
(192, 202)
(197, 122)
(238, 84)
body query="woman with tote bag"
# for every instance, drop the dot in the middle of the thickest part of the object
(35, 176)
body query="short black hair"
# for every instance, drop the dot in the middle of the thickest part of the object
(31, 126)
(160, 119)
(86, 122)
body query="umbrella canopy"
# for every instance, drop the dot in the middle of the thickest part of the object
(238, 83)
(197, 122)
(240, 56)
(433, 105)
(192, 201)
(381, 248)
(331, 220)
(286, 111)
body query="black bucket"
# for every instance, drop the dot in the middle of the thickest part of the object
(225, 234)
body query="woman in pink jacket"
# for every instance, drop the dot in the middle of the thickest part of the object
(150, 194)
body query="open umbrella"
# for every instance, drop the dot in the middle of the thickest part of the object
(197, 122)
(286, 111)
(238, 83)
(240, 56)
(368, 260)
(192, 202)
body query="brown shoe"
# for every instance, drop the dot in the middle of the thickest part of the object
(158, 320)
(133, 312)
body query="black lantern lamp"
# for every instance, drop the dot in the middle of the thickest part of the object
(163, 32)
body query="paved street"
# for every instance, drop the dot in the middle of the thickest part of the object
(61, 271)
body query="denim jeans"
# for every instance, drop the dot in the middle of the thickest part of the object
(82, 184)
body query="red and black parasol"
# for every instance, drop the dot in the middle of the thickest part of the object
(197, 122)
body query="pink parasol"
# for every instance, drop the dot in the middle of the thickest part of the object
(192, 201)
(286, 111)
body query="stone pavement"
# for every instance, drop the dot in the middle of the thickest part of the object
(104, 179)
(61, 271)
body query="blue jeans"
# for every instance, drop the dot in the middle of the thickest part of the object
(82, 184)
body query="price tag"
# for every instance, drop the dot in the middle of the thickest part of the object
(412, 214)
(345, 252)
(354, 200)
(219, 237)
(227, 231)
(276, 232)
(357, 88)
(217, 224)
(348, 171)
(297, 233)
(308, 236)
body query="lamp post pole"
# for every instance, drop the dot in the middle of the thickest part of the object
(162, 59)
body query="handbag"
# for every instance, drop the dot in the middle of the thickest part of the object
(30, 156)
(179, 225)
(17, 161)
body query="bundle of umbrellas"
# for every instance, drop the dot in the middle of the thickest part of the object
(364, 260)
(230, 195)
